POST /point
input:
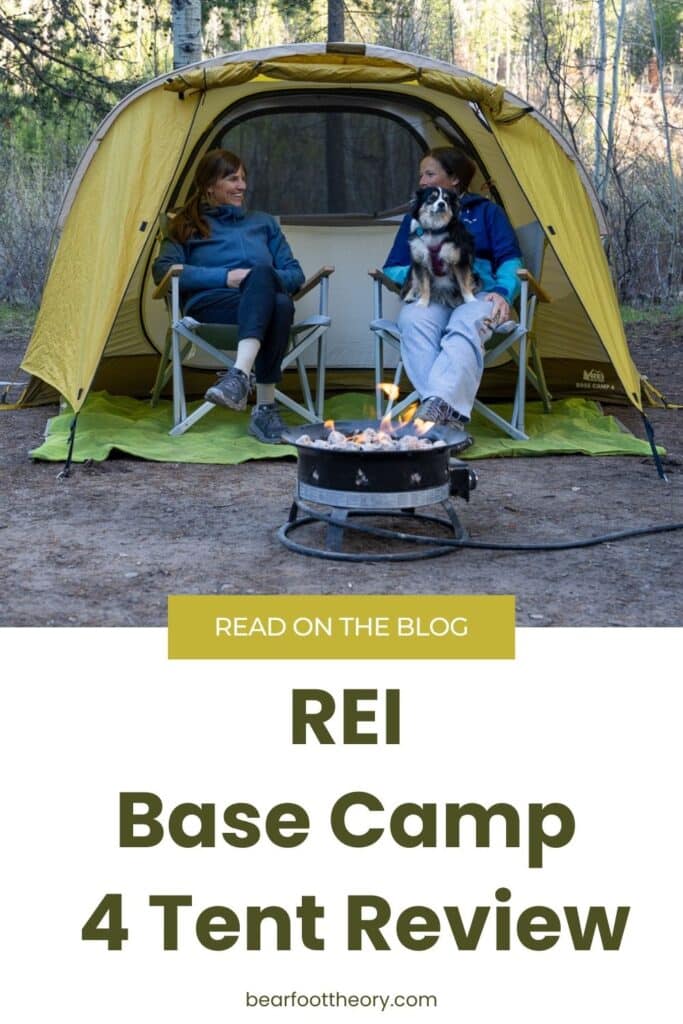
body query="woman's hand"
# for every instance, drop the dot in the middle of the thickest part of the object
(234, 278)
(500, 309)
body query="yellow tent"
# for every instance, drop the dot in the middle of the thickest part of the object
(333, 135)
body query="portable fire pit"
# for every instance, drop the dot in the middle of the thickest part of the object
(378, 477)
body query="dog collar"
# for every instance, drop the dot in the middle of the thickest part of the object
(420, 231)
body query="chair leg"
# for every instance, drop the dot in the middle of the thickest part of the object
(320, 378)
(296, 407)
(304, 385)
(518, 408)
(385, 407)
(540, 383)
(165, 371)
(179, 404)
(162, 372)
(189, 421)
(379, 372)
(498, 421)
(389, 408)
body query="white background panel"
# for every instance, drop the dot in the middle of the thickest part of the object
(580, 717)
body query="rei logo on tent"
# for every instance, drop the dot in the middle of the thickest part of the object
(594, 380)
(594, 376)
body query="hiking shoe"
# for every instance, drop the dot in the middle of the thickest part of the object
(266, 424)
(230, 390)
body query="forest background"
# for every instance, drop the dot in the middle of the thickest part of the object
(607, 73)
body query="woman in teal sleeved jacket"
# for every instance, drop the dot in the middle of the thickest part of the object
(442, 348)
(237, 269)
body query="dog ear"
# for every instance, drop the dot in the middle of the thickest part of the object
(418, 200)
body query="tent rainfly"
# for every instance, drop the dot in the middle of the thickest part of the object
(331, 135)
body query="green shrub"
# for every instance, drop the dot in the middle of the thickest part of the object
(34, 179)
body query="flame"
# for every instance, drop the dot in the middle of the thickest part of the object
(390, 390)
(419, 425)
(329, 424)
(422, 426)
(407, 416)
(386, 426)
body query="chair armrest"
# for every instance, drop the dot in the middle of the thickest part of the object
(162, 288)
(381, 277)
(311, 282)
(534, 286)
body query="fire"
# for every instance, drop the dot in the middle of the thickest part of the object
(385, 426)
(422, 426)
(405, 417)
(381, 435)
(387, 435)
(390, 390)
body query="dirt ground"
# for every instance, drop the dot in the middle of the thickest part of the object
(107, 545)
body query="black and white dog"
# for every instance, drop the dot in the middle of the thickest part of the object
(442, 251)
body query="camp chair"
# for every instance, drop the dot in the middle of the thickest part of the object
(185, 335)
(517, 343)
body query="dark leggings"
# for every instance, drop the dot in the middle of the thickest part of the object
(261, 309)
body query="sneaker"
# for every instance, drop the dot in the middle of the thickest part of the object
(230, 390)
(506, 327)
(266, 424)
(433, 410)
(456, 421)
(440, 413)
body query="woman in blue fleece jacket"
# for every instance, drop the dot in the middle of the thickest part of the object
(237, 269)
(442, 348)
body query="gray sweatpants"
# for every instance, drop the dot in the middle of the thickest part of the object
(442, 350)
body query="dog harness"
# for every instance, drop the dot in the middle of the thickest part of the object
(438, 266)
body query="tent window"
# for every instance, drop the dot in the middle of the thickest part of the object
(325, 162)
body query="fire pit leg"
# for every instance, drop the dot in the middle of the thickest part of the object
(458, 529)
(293, 512)
(334, 536)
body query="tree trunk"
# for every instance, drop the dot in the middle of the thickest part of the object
(187, 32)
(335, 21)
(673, 270)
(334, 125)
(614, 101)
(598, 168)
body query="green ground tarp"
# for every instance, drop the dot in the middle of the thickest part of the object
(107, 423)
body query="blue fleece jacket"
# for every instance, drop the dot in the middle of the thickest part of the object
(497, 253)
(238, 239)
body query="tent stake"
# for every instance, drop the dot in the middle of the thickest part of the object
(649, 430)
(66, 471)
